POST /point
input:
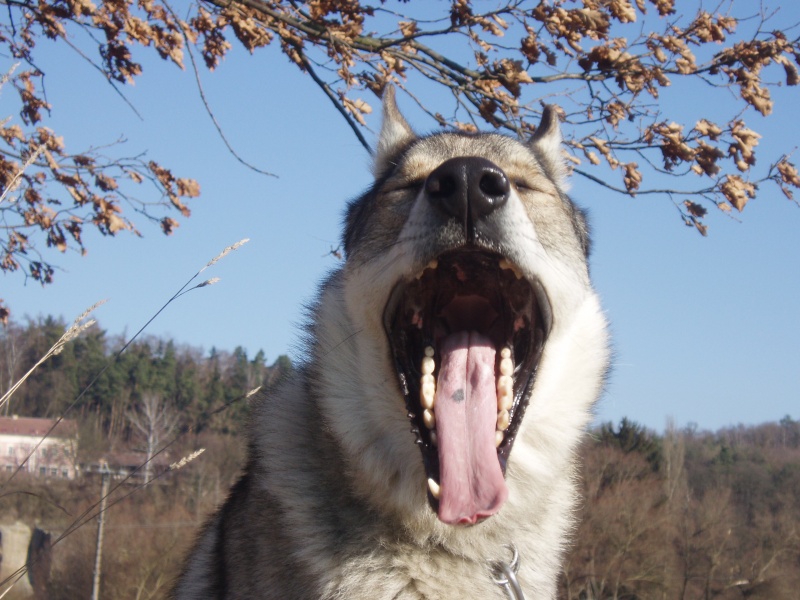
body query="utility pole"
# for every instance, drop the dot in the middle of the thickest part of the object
(98, 553)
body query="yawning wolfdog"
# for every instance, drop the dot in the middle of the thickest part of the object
(426, 448)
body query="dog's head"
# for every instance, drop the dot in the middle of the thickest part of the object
(467, 291)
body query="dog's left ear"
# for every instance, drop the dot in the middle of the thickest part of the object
(546, 144)
(396, 134)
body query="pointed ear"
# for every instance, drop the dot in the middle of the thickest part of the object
(395, 135)
(546, 145)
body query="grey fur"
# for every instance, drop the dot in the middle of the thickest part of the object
(334, 501)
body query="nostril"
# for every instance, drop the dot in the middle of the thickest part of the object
(446, 188)
(489, 191)
(442, 185)
(494, 183)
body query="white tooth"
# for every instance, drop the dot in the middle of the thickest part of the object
(503, 420)
(507, 264)
(505, 398)
(427, 379)
(434, 438)
(434, 488)
(428, 365)
(505, 353)
(505, 381)
(428, 393)
(428, 418)
(429, 351)
(506, 366)
(499, 436)
(505, 392)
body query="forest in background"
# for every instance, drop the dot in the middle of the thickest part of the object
(686, 514)
(197, 390)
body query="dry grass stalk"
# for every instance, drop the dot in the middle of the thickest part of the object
(186, 460)
(7, 75)
(78, 327)
(18, 176)
(224, 253)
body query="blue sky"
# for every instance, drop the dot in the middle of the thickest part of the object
(705, 329)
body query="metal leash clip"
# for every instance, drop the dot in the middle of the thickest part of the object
(505, 575)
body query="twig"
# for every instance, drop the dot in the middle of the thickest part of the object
(207, 105)
(329, 93)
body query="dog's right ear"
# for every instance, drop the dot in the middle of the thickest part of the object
(396, 134)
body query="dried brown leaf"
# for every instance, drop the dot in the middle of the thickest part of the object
(737, 191)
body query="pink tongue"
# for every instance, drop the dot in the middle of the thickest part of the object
(471, 481)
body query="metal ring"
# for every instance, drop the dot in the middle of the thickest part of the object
(505, 575)
(514, 565)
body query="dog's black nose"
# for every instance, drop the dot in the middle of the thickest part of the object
(468, 188)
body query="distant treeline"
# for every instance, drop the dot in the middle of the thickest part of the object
(194, 384)
(688, 514)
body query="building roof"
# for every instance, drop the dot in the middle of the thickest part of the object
(37, 427)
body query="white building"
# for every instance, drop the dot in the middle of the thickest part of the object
(55, 457)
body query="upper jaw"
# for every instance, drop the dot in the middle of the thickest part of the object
(466, 290)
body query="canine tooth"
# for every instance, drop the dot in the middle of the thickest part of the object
(434, 438)
(428, 365)
(428, 418)
(429, 351)
(434, 488)
(499, 436)
(506, 366)
(507, 264)
(503, 420)
(428, 393)
(431, 265)
(505, 353)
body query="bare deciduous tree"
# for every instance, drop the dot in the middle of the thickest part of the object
(154, 421)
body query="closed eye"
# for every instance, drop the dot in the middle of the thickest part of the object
(523, 186)
(406, 186)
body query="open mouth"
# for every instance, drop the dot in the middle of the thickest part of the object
(467, 335)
